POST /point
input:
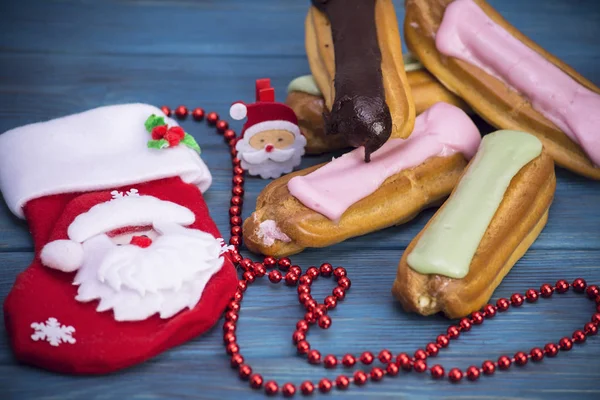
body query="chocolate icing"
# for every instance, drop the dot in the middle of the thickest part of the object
(359, 110)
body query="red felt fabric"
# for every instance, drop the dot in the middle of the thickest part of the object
(103, 345)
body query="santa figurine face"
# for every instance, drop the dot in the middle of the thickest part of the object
(272, 139)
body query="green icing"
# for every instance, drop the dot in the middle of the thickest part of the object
(451, 240)
(307, 84)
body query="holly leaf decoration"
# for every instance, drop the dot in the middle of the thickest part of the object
(158, 144)
(153, 121)
(190, 142)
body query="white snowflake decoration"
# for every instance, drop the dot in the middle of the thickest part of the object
(53, 332)
(130, 193)
(224, 247)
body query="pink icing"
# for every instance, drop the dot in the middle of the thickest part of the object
(442, 130)
(467, 33)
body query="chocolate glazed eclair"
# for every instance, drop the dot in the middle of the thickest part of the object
(355, 55)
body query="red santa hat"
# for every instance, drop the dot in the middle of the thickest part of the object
(265, 114)
(103, 212)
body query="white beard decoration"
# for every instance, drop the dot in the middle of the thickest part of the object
(270, 164)
(136, 283)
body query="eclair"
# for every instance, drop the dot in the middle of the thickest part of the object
(305, 98)
(494, 214)
(346, 197)
(507, 79)
(354, 53)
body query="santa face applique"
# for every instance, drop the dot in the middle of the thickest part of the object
(271, 143)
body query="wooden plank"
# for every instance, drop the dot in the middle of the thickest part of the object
(368, 319)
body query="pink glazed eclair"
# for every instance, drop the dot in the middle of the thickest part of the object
(346, 197)
(508, 79)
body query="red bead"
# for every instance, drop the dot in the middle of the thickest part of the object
(269, 261)
(307, 388)
(488, 367)
(367, 357)
(348, 360)
(295, 270)
(325, 385)
(546, 290)
(330, 361)
(259, 270)
(236, 258)
(229, 337)
(420, 366)
(312, 273)
(229, 327)
(342, 382)
(231, 316)
(377, 374)
(565, 344)
(597, 300)
(305, 280)
(298, 336)
(228, 135)
(521, 358)
(579, 336)
(235, 240)
(310, 304)
(432, 349)
(592, 291)
(236, 360)
(420, 354)
(237, 190)
(212, 118)
(256, 381)
(562, 286)
(344, 282)
(302, 325)
(238, 296)
(596, 318)
(339, 293)
(403, 361)
(247, 264)
(551, 350)
(233, 306)
(237, 180)
(245, 371)
(532, 295)
(455, 375)
(324, 322)
(235, 220)
(238, 171)
(303, 289)
(320, 310)
(536, 354)
(330, 302)
(473, 373)
(489, 311)
(303, 347)
(288, 390)
(242, 286)
(181, 112)
(314, 357)
(391, 369)
(232, 348)
(310, 317)
(326, 270)
(284, 264)
(385, 356)
(502, 305)
(465, 324)
(291, 279)
(275, 276)
(271, 388)
(222, 126)
(579, 285)
(437, 371)
(360, 378)
(477, 318)
(504, 362)
(442, 340)
(516, 300)
(304, 297)
(198, 114)
(339, 272)
(248, 276)
(453, 332)
(166, 110)
(590, 329)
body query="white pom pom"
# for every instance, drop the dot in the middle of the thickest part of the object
(63, 255)
(238, 111)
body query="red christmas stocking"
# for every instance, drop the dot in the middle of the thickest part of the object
(128, 261)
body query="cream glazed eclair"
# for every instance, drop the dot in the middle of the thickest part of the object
(494, 214)
(507, 78)
(329, 203)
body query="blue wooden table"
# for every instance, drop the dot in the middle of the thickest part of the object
(63, 56)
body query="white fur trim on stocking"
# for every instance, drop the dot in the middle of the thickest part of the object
(63, 255)
(98, 149)
(269, 125)
(238, 111)
(127, 211)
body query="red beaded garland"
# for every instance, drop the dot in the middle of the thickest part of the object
(275, 276)
(271, 388)
(551, 350)
(232, 348)
(562, 286)
(565, 344)
(339, 293)
(330, 361)
(330, 302)
(502, 304)
(420, 354)
(592, 291)
(312, 273)
(284, 264)
(455, 375)
(488, 367)
(579, 285)
(521, 358)
(303, 347)
(348, 360)
(298, 336)
(228, 135)
(326, 270)
(325, 385)
(222, 126)
(579, 336)
(310, 317)
(490, 311)
(420, 366)
(391, 369)
(432, 349)
(288, 389)
(342, 382)
(339, 272)
(367, 358)
(229, 337)
(516, 300)
(212, 118)
(181, 112)
(477, 318)
(360, 378)
(536, 354)
(532, 295)
(198, 114)
(546, 291)
(295, 270)
(256, 381)
(314, 357)
(504, 362)
(473, 373)
(590, 329)
(596, 318)
(307, 388)
(385, 356)
(442, 340)
(324, 321)
(236, 360)
(259, 270)
(344, 282)
(303, 298)
(302, 325)
(453, 332)
(245, 371)
(465, 324)
(404, 362)
(437, 371)
(291, 279)
(269, 261)
(377, 374)
(166, 110)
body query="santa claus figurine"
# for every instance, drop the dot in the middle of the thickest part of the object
(128, 261)
(271, 143)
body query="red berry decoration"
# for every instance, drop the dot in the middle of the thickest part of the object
(271, 387)
(455, 375)
(562, 286)
(366, 357)
(473, 373)
(437, 371)
(307, 388)
(385, 356)
(565, 344)
(360, 378)
(325, 385)
(488, 367)
(314, 357)
(536, 354)
(579, 336)
(532, 295)
(212, 118)
(198, 114)
(256, 381)
(504, 362)
(181, 112)
(521, 358)
(330, 361)
(377, 374)
(348, 360)
(579, 285)
(420, 366)
(326, 270)
(551, 350)
(342, 382)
